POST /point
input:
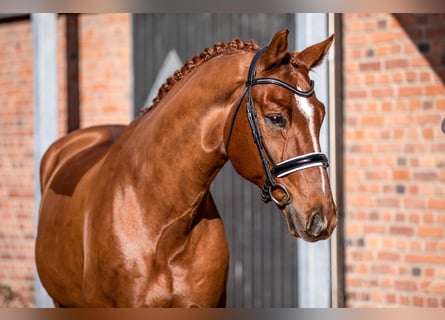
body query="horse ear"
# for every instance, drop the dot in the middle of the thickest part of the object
(275, 52)
(313, 55)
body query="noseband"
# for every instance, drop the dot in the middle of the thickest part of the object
(273, 170)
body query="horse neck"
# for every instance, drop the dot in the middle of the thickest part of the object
(179, 146)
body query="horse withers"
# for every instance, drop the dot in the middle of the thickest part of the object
(126, 216)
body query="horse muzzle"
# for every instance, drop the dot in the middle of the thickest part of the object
(314, 226)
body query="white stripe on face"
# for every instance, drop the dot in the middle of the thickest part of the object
(307, 109)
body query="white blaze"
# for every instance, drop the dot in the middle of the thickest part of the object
(307, 109)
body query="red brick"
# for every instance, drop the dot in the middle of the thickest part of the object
(401, 244)
(360, 93)
(385, 269)
(442, 175)
(370, 66)
(431, 246)
(396, 63)
(410, 91)
(422, 258)
(429, 272)
(388, 256)
(438, 147)
(373, 120)
(437, 286)
(374, 229)
(432, 302)
(377, 297)
(404, 300)
(388, 201)
(405, 285)
(382, 92)
(390, 298)
(383, 37)
(435, 232)
(425, 175)
(428, 133)
(401, 174)
(428, 217)
(405, 231)
(429, 119)
(382, 51)
(376, 174)
(438, 203)
(418, 301)
(356, 40)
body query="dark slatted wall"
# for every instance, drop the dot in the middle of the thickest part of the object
(263, 265)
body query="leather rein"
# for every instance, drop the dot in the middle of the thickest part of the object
(271, 168)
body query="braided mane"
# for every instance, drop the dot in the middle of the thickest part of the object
(218, 49)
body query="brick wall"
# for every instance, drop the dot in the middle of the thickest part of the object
(105, 97)
(394, 159)
(105, 69)
(16, 159)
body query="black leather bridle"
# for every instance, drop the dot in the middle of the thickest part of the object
(271, 168)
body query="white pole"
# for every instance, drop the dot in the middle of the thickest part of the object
(314, 277)
(44, 33)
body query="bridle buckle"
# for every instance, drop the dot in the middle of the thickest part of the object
(285, 200)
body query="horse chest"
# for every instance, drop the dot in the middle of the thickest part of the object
(197, 275)
(193, 274)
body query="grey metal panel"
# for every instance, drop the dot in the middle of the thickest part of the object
(263, 262)
(155, 34)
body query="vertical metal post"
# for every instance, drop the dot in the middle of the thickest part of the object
(336, 158)
(44, 33)
(314, 277)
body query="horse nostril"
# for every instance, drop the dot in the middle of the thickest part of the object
(317, 224)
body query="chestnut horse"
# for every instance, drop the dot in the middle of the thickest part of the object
(126, 217)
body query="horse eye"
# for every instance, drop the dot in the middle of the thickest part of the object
(276, 120)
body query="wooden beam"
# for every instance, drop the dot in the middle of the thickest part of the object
(72, 71)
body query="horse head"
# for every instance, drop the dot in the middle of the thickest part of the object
(275, 142)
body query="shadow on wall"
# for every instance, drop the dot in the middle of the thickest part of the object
(427, 30)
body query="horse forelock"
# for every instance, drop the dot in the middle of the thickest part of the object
(219, 48)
